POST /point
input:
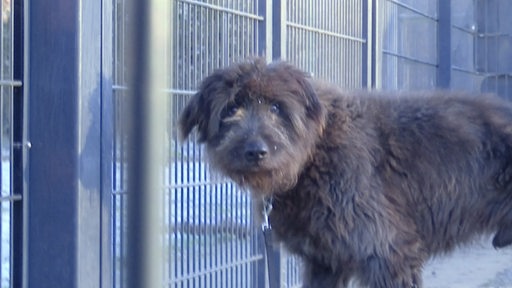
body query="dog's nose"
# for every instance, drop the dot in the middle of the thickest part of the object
(255, 150)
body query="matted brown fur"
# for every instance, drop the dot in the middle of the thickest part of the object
(365, 185)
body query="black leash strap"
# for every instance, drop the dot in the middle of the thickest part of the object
(272, 256)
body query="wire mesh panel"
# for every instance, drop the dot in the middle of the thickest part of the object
(494, 46)
(408, 38)
(326, 39)
(481, 39)
(210, 236)
(464, 34)
(9, 122)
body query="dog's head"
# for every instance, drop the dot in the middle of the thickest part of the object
(259, 122)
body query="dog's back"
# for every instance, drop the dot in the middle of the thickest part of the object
(445, 157)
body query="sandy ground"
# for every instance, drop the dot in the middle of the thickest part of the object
(478, 265)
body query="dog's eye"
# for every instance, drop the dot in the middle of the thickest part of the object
(230, 111)
(275, 108)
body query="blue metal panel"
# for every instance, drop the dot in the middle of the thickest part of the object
(63, 82)
(444, 47)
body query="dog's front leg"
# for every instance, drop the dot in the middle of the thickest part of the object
(380, 272)
(319, 276)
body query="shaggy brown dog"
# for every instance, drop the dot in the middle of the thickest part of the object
(365, 186)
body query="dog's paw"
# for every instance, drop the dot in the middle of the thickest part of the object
(502, 238)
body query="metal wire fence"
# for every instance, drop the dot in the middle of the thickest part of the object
(211, 239)
(328, 40)
(410, 59)
(210, 236)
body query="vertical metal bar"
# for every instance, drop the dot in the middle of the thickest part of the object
(122, 140)
(178, 155)
(277, 22)
(372, 33)
(278, 52)
(24, 14)
(261, 35)
(18, 123)
(444, 36)
(117, 148)
(378, 10)
(489, 31)
(265, 39)
(193, 260)
(149, 39)
(366, 32)
(107, 148)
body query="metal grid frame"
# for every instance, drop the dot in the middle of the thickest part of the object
(407, 61)
(225, 252)
(493, 42)
(330, 40)
(209, 35)
(201, 252)
(213, 240)
(464, 31)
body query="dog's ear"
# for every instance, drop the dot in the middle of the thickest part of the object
(194, 114)
(207, 102)
(314, 109)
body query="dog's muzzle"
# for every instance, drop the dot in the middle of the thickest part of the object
(255, 150)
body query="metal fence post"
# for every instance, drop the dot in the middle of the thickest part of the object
(18, 137)
(261, 36)
(62, 199)
(367, 45)
(444, 49)
(278, 36)
(278, 30)
(149, 39)
(264, 42)
(369, 48)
